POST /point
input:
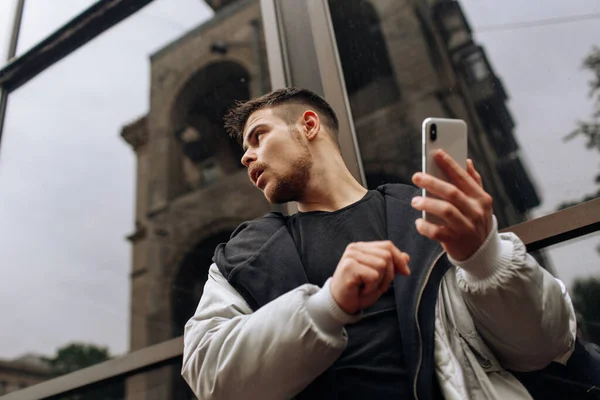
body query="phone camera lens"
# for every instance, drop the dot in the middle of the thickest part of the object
(433, 132)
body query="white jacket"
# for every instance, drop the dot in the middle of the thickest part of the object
(497, 310)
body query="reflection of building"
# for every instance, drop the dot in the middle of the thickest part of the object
(403, 61)
(489, 99)
(22, 372)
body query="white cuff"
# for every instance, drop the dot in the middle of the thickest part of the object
(489, 263)
(326, 313)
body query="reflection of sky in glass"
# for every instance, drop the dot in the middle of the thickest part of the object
(68, 179)
(541, 70)
(580, 263)
(40, 20)
(62, 159)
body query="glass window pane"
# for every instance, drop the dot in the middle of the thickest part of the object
(575, 263)
(39, 20)
(514, 76)
(109, 239)
(119, 182)
(581, 275)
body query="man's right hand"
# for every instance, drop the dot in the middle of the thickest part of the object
(365, 272)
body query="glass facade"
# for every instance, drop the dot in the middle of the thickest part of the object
(118, 179)
(583, 281)
(427, 63)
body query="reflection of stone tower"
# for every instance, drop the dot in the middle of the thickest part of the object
(191, 192)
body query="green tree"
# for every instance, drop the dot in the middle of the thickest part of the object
(75, 356)
(589, 130)
(586, 300)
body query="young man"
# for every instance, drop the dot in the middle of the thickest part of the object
(356, 296)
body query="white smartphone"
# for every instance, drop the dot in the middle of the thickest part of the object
(449, 135)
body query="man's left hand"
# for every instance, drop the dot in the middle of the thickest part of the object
(463, 205)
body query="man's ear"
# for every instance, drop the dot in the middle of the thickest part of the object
(311, 124)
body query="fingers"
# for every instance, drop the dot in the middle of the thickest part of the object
(399, 258)
(434, 232)
(381, 256)
(368, 279)
(378, 252)
(369, 267)
(365, 272)
(456, 173)
(368, 255)
(473, 172)
(466, 192)
(443, 190)
(453, 218)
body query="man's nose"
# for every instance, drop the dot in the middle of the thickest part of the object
(248, 158)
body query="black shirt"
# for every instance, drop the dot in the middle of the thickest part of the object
(372, 364)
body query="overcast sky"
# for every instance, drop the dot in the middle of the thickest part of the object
(67, 178)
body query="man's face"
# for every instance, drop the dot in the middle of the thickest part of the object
(277, 159)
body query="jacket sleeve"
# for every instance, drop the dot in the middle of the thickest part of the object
(523, 313)
(231, 352)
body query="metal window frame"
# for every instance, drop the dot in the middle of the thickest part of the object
(293, 60)
(89, 24)
(12, 50)
(96, 19)
(559, 227)
(310, 62)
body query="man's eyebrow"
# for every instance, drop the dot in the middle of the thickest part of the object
(249, 135)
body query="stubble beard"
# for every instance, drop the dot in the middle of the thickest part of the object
(291, 187)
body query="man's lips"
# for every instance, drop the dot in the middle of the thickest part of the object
(255, 175)
(258, 180)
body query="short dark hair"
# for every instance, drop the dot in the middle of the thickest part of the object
(238, 115)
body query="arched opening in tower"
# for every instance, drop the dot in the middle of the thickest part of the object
(197, 121)
(186, 292)
(189, 283)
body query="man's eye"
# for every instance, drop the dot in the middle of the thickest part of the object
(258, 135)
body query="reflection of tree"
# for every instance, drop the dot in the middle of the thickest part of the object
(76, 356)
(586, 300)
(590, 130)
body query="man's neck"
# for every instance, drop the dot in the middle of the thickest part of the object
(332, 193)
